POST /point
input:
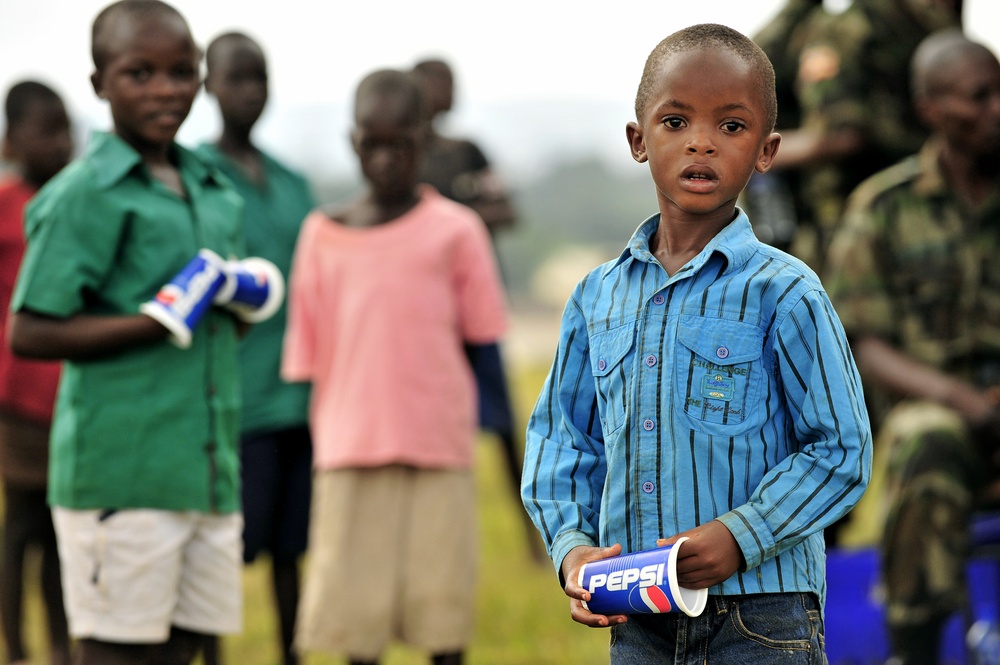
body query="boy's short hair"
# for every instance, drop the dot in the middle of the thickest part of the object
(234, 37)
(397, 83)
(712, 35)
(116, 11)
(434, 67)
(21, 95)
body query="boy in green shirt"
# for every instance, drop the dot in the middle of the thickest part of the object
(144, 478)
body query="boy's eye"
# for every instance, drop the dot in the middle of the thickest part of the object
(395, 145)
(184, 73)
(673, 122)
(139, 74)
(733, 126)
(244, 78)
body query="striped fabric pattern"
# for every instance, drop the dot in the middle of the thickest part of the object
(726, 390)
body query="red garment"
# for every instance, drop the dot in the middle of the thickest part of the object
(27, 387)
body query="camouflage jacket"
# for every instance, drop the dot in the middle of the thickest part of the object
(853, 71)
(915, 266)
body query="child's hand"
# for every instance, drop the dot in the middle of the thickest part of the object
(710, 557)
(571, 566)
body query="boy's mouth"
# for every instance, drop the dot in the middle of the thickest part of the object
(699, 179)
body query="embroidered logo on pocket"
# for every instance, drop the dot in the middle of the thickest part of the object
(718, 386)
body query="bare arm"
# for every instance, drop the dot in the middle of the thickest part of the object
(901, 374)
(492, 201)
(805, 147)
(80, 337)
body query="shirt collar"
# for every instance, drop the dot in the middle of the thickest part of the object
(930, 181)
(112, 159)
(736, 243)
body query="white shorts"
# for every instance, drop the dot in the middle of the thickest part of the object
(129, 575)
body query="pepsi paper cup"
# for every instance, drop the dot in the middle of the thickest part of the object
(640, 583)
(181, 303)
(254, 287)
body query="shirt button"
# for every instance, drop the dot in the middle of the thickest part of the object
(650, 360)
(659, 299)
(648, 487)
(722, 352)
(648, 424)
(601, 365)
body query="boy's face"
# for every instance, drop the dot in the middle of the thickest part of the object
(41, 142)
(150, 78)
(238, 80)
(703, 133)
(439, 88)
(388, 141)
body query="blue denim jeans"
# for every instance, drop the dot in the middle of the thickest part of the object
(782, 628)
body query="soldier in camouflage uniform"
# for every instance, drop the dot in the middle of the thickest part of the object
(915, 276)
(855, 104)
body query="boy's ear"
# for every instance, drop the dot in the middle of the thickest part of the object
(635, 141)
(7, 149)
(97, 84)
(767, 152)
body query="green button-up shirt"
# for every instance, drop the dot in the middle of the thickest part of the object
(272, 217)
(153, 426)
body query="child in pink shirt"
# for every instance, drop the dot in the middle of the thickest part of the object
(384, 296)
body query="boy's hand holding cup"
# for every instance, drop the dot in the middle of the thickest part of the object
(710, 555)
(577, 558)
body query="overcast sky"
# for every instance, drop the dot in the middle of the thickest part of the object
(552, 54)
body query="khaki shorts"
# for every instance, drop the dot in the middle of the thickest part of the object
(129, 575)
(392, 557)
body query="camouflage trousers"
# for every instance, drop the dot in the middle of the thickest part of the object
(932, 475)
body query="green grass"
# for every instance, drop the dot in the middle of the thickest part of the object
(522, 615)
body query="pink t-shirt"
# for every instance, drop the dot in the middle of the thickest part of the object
(376, 321)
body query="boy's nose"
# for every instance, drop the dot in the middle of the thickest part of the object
(383, 161)
(165, 85)
(699, 142)
(700, 146)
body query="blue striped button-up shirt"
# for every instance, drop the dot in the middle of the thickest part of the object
(726, 391)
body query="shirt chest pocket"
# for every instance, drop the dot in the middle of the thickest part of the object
(718, 374)
(611, 355)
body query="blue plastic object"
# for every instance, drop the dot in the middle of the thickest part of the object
(855, 623)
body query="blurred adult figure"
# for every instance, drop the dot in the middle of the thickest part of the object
(458, 169)
(914, 276)
(854, 100)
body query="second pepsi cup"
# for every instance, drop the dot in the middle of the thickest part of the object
(640, 583)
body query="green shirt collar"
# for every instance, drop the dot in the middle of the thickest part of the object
(112, 159)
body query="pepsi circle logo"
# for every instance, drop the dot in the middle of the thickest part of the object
(649, 599)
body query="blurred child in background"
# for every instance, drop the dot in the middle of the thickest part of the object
(38, 143)
(383, 295)
(275, 448)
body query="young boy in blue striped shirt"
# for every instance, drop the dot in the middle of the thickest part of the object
(702, 387)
